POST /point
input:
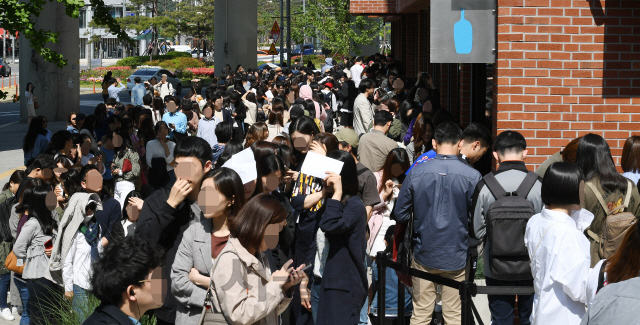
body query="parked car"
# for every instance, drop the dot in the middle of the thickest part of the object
(146, 74)
(194, 53)
(5, 69)
(180, 48)
(307, 49)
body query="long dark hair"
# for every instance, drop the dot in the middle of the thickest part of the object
(268, 164)
(349, 173)
(624, 264)
(132, 194)
(594, 158)
(90, 124)
(252, 221)
(304, 125)
(71, 181)
(420, 136)
(158, 105)
(399, 157)
(126, 142)
(16, 178)
(38, 209)
(229, 184)
(35, 127)
(30, 84)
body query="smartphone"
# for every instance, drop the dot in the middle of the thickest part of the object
(48, 244)
(304, 269)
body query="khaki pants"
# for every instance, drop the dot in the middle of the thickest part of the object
(424, 297)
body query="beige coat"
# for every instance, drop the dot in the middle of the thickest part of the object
(258, 303)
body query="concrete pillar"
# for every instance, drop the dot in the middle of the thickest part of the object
(236, 25)
(57, 89)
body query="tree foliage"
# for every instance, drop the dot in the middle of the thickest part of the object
(331, 21)
(195, 18)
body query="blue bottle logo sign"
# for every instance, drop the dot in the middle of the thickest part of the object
(463, 35)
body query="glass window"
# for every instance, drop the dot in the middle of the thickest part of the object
(144, 72)
(83, 18)
(83, 46)
(116, 12)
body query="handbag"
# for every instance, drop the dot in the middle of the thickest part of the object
(210, 316)
(36, 105)
(11, 263)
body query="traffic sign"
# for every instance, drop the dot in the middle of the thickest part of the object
(275, 29)
(272, 50)
(275, 38)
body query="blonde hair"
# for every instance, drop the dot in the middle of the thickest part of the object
(164, 75)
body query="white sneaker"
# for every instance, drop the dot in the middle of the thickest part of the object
(6, 314)
(14, 310)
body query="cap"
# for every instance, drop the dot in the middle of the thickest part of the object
(80, 117)
(328, 84)
(349, 136)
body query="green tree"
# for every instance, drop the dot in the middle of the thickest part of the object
(331, 21)
(195, 18)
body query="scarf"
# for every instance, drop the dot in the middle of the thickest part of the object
(91, 234)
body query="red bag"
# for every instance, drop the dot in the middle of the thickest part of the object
(126, 166)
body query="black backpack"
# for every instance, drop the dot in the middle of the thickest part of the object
(328, 99)
(506, 221)
(328, 123)
(5, 214)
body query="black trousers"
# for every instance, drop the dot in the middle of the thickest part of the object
(45, 301)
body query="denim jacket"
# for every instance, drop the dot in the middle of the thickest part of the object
(391, 294)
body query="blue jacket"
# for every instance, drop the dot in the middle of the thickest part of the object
(177, 118)
(344, 227)
(137, 92)
(438, 192)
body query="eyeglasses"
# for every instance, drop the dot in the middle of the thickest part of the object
(143, 281)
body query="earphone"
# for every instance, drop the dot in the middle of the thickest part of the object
(132, 293)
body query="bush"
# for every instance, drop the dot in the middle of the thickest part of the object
(201, 72)
(182, 63)
(98, 73)
(134, 61)
(186, 74)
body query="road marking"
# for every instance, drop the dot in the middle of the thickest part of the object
(1, 126)
(10, 172)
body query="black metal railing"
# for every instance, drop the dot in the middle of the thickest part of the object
(467, 290)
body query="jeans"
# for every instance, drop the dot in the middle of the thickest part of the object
(80, 303)
(4, 286)
(364, 313)
(24, 296)
(501, 307)
(316, 286)
(45, 299)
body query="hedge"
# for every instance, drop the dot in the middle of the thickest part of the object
(135, 61)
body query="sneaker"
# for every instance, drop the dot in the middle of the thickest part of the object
(14, 310)
(6, 314)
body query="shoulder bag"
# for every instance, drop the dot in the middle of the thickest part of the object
(11, 263)
(211, 316)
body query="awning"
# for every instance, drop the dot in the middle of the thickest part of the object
(6, 35)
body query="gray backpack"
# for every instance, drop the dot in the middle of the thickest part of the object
(506, 221)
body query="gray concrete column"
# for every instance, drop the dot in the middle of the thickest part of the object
(56, 89)
(236, 27)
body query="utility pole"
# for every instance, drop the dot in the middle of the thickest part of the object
(289, 33)
(281, 24)
(304, 37)
(4, 45)
(13, 48)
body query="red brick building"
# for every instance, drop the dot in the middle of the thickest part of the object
(563, 68)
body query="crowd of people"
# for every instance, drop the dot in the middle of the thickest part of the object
(206, 210)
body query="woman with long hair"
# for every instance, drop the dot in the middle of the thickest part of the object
(340, 282)
(250, 102)
(34, 243)
(158, 109)
(11, 186)
(630, 161)
(252, 232)
(276, 120)
(31, 101)
(105, 85)
(34, 142)
(601, 176)
(72, 123)
(221, 198)
(422, 136)
(88, 128)
(257, 132)
(131, 212)
(102, 127)
(161, 148)
(389, 178)
(126, 165)
(623, 265)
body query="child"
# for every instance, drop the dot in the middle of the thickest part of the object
(391, 289)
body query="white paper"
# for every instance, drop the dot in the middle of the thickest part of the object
(317, 165)
(244, 164)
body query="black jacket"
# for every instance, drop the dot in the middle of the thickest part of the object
(108, 315)
(163, 225)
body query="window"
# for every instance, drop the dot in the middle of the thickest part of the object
(83, 18)
(83, 47)
(116, 12)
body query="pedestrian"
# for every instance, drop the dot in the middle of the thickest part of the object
(131, 212)
(476, 140)
(422, 136)
(438, 195)
(34, 142)
(224, 132)
(363, 109)
(166, 214)
(502, 240)
(73, 124)
(105, 85)
(33, 246)
(257, 132)
(630, 160)
(558, 249)
(126, 165)
(176, 121)
(221, 198)
(356, 71)
(603, 179)
(124, 282)
(31, 102)
(164, 87)
(374, 146)
(158, 109)
(115, 88)
(249, 101)
(252, 232)
(88, 129)
(137, 92)
(10, 189)
(207, 126)
(159, 157)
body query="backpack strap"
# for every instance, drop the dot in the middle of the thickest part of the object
(601, 276)
(494, 186)
(527, 184)
(627, 198)
(599, 197)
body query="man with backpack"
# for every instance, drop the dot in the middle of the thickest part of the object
(503, 203)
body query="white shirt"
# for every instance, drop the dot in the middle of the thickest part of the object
(156, 150)
(125, 224)
(560, 260)
(85, 159)
(356, 72)
(77, 264)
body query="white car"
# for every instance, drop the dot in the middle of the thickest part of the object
(180, 48)
(147, 73)
(194, 53)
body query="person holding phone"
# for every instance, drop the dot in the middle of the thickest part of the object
(33, 247)
(243, 262)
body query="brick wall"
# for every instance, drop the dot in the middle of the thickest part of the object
(359, 7)
(566, 68)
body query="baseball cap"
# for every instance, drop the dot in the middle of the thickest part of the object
(349, 136)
